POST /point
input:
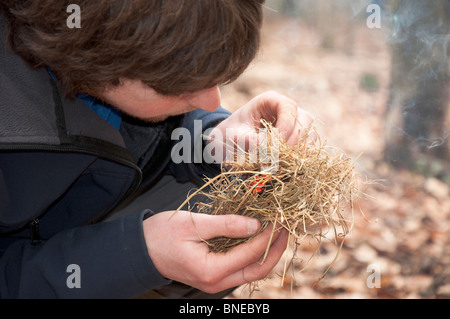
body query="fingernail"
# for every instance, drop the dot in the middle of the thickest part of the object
(253, 226)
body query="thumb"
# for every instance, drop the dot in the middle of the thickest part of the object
(242, 137)
(231, 226)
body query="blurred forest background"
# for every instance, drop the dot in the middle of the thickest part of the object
(375, 75)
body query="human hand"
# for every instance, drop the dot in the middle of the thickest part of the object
(243, 124)
(177, 248)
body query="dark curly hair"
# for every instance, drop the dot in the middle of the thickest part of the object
(173, 46)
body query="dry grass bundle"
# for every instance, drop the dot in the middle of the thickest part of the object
(303, 188)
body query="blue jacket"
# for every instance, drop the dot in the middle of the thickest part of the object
(62, 170)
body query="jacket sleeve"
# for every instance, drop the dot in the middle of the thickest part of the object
(194, 168)
(104, 260)
(109, 259)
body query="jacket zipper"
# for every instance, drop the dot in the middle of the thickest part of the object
(35, 236)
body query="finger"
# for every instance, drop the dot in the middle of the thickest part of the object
(242, 138)
(246, 254)
(260, 270)
(302, 123)
(230, 226)
(256, 271)
(278, 110)
(286, 121)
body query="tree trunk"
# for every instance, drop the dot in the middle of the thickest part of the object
(416, 132)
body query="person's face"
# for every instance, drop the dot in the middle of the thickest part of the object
(135, 98)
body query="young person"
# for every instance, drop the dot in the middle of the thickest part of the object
(87, 182)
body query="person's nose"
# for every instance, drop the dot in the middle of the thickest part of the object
(208, 100)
